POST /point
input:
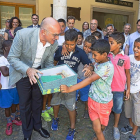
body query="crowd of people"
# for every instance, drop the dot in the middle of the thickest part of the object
(107, 64)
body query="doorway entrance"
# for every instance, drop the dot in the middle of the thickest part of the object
(116, 17)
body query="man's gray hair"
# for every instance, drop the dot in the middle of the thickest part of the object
(127, 24)
(110, 25)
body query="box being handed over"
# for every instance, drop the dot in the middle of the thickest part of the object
(54, 80)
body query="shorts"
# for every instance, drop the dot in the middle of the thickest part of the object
(67, 99)
(99, 110)
(83, 92)
(117, 102)
(8, 97)
(132, 108)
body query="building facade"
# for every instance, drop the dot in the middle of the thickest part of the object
(116, 12)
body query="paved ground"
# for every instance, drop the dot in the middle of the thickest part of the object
(83, 127)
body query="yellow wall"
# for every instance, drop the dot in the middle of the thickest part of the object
(44, 9)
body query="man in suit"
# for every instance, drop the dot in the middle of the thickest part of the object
(32, 49)
(70, 23)
(110, 29)
(35, 19)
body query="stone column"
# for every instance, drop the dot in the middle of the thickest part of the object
(60, 9)
(139, 11)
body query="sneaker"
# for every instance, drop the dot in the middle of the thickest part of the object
(71, 134)
(131, 137)
(86, 115)
(17, 122)
(126, 129)
(116, 133)
(46, 116)
(54, 125)
(50, 111)
(9, 129)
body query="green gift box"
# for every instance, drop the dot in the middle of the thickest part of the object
(49, 82)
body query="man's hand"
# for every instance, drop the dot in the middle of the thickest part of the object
(64, 50)
(127, 95)
(32, 74)
(64, 89)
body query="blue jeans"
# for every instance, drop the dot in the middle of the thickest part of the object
(117, 102)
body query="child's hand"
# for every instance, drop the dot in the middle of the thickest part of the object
(127, 94)
(0, 86)
(64, 89)
(64, 50)
(87, 71)
(90, 67)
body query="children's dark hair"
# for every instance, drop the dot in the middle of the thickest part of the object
(80, 33)
(101, 46)
(97, 33)
(62, 20)
(118, 37)
(90, 39)
(11, 21)
(6, 43)
(71, 35)
(70, 17)
(137, 40)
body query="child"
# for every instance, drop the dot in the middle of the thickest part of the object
(121, 64)
(97, 35)
(83, 92)
(8, 95)
(132, 106)
(100, 96)
(80, 40)
(76, 55)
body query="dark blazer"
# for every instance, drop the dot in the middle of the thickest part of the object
(31, 26)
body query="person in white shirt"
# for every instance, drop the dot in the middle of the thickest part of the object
(6, 27)
(35, 20)
(8, 94)
(126, 33)
(71, 23)
(132, 106)
(62, 24)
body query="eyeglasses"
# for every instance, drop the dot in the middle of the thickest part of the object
(54, 35)
(93, 24)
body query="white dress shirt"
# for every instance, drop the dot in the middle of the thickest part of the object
(61, 40)
(39, 53)
(126, 38)
(2, 31)
(35, 26)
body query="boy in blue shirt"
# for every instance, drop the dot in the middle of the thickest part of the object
(76, 55)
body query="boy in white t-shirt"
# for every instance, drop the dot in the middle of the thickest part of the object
(8, 95)
(62, 24)
(132, 106)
